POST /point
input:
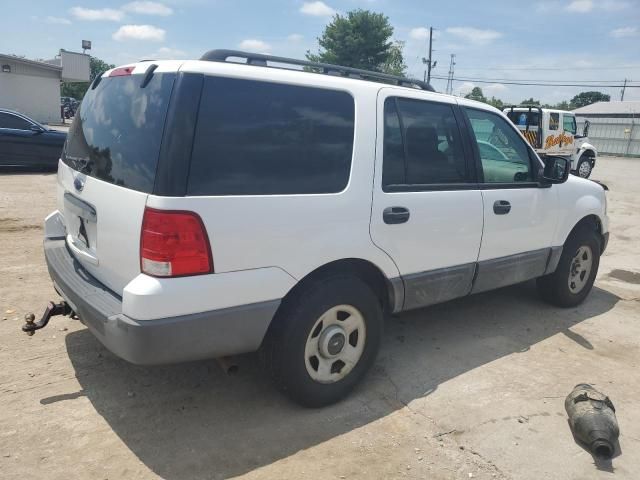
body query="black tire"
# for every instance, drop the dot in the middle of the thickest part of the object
(554, 288)
(586, 165)
(283, 350)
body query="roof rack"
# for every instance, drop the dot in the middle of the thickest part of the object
(261, 59)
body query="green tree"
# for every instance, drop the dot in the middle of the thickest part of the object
(496, 102)
(395, 62)
(530, 101)
(587, 98)
(360, 39)
(476, 94)
(78, 89)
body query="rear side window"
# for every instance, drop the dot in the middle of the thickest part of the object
(422, 144)
(117, 134)
(554, 121)
(260, 138)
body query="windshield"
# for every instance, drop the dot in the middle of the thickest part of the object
(117, 133)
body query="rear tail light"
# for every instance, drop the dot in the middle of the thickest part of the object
(173, 244)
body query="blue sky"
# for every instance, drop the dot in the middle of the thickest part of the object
(560, 40)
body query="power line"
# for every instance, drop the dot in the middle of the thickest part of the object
(546, 81)
(537, 84)
(535, 67)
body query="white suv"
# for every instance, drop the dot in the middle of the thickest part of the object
(213, 207)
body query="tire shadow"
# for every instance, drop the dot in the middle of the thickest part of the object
(192, 421)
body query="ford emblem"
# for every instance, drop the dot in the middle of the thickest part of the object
(78, 184)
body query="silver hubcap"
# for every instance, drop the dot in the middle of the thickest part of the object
(335, 344)
(585, 169)
(580, 269)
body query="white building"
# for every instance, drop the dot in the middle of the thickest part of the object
(614, 127)
(33, 87)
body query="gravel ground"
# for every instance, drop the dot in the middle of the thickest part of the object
(469, 389)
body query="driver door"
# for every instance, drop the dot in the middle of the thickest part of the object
(569, 130)
(519, 215)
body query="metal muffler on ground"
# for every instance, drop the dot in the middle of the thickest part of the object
(593, 420)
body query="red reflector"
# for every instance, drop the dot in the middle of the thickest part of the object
(121, 72)
(174, 243)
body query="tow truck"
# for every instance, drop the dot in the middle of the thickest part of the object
(554, 133)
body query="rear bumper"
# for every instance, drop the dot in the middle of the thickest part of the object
(175, 339)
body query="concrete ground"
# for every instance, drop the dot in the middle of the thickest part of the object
(469, 389)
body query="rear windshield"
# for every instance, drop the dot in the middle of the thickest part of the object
(520, 118)
(261, 138)
(117, 133)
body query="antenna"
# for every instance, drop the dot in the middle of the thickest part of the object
(452, 63)
(624, 87)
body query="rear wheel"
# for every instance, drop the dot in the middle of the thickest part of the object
(585, 165)
(323, 340)
(573, 279)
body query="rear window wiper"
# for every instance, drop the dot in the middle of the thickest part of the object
(147, 75)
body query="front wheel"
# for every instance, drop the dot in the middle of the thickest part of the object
(573, 279)
(585, 166)
(324, 339)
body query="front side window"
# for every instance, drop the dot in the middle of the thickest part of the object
(261, 138)
(554, 121)
(422, 144)
(503, 152)
(8, 120)
(569, 124)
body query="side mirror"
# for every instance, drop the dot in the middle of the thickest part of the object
(36, 129)
(556, 170)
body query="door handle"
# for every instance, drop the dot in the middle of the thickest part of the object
(501, 207)
(394, 215)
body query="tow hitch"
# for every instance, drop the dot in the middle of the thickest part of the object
(52, 309)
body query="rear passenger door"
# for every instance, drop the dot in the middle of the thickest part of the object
(519, 214)
(427, 211)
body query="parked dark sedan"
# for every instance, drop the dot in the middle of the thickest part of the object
(25, 143)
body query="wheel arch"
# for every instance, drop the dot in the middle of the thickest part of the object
(389, 291)
(591, 222)
(590, 151)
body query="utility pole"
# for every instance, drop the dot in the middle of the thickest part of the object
(624, 87)
(430, 50)
(452, 63)
(430, 64)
